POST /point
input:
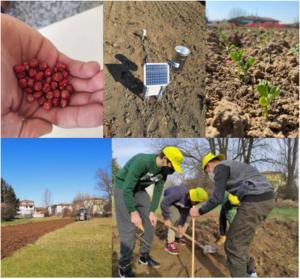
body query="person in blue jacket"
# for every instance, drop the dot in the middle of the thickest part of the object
(175, 207)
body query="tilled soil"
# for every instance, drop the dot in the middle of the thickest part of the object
(181, 111)
(17, 236)
(232, 105)
(275, 249)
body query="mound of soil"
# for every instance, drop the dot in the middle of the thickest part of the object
(18, 236)
(181, 110)
(275, 249)
(274, 62)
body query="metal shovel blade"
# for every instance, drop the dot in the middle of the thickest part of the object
(209, 249)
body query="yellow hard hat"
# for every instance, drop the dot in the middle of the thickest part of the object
(210, 156)
(198, 195)
(233, 199)
(175, 156)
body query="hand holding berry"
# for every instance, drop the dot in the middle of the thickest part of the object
(22, 115)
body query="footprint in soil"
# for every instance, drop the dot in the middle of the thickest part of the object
(123, 73)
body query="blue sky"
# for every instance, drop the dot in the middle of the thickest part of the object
(124, 149)
(64, 166)
(285, 11)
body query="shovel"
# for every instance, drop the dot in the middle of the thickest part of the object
(139, 234)
(207, 248)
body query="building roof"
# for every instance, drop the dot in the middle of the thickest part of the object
(26, 201)
(254, 18)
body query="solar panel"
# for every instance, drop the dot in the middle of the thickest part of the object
(156, 74)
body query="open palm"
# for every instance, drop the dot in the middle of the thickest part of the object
(21, 43)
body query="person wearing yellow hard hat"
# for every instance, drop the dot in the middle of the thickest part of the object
(256, 197)
(133, 206)
(175, 208)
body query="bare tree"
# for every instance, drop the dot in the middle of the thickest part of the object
(219, 145)
(288, 163)
(237, 12)
(104, 182)
(46, 198)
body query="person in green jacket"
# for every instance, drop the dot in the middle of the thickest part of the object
(133, 205)
(227, 214)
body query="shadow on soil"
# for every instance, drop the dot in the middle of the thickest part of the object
(123, 73)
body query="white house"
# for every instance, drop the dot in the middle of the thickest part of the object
(26, 208)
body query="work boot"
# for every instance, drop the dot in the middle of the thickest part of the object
(147, 260)
(221, 240)
(171, 248)
(126, 272)
(180, 240)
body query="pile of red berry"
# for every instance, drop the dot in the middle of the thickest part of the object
(49, 87)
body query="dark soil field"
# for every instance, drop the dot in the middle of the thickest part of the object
(181, 111)
(233, 109)
(18, 236)
(275, 249)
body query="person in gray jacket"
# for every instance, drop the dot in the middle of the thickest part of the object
(256, 198)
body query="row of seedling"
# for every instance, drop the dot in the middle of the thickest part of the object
(266, 90)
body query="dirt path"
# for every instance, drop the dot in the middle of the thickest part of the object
(181, 110)
(274, 240)
(18, 236)
(232, 105)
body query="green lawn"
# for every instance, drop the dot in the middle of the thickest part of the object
(81, 249)
(27, 221)
(285, 213)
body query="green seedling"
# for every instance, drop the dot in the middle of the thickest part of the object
(267, 94)
(295, 50)
(243, 63)
(224, 39)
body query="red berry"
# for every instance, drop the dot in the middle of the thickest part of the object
(65, 94)
(38, 86)
(47, 105)
(48, 80)
(63, 84)
(49, 95)
(53, 85)
(32, 72)
(43, 66)
(63, 103)
(56, 93)
(69, 87)
(37, 94)
(22, 82)
(33, 63)
(46, 87)
(47, 72)
(19, 68)
(55, 102)
(39, 76)
(29, 98)
(21, 75)
(30, 82)
(41, 100)
(57, 76)
(65, 74)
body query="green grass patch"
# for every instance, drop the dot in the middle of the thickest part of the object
(284, 213)
(27, 221)
(81, 249)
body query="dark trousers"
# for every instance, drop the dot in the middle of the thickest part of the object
(241, 233)
(127, 230)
